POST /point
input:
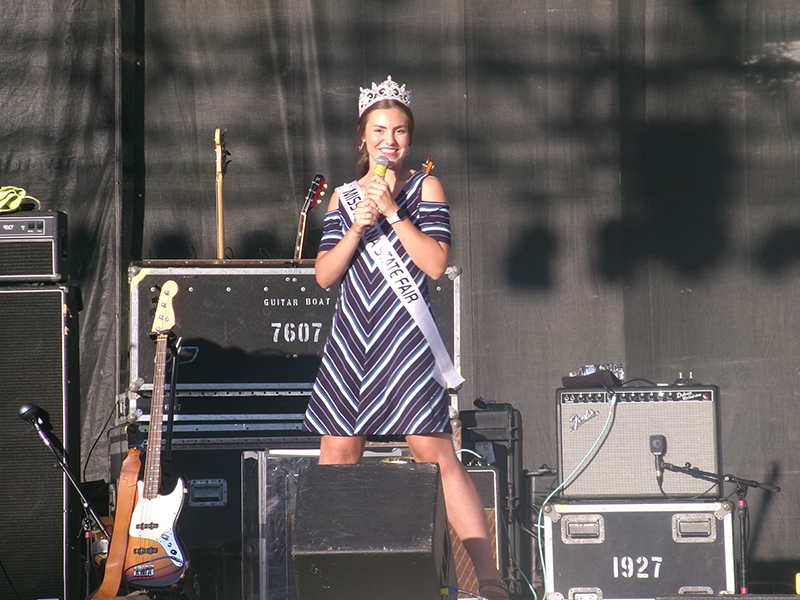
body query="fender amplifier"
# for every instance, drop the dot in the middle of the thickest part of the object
(604, 441)
(33, 247)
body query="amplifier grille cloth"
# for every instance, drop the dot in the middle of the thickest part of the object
(623, 465)
(26, 258)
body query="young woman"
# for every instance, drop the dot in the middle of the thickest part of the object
(379, 374)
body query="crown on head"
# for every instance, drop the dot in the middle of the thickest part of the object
(387, 90)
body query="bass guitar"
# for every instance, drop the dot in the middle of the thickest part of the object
(154, 558)
(313, 197)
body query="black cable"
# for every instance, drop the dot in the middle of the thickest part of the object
(97, 441)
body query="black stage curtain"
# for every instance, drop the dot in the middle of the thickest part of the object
(58, 141)
(622, 178)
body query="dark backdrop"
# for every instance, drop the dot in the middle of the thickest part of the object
(622, 177)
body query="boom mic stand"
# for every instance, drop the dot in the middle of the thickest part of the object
(41, 422)
(742, 485)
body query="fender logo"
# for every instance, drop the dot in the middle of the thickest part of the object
(577, 420)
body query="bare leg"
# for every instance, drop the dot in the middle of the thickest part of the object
(465, 510)
(341, 450)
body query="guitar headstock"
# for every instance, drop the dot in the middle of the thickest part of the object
(427, 166)
(222, 152)
(165, 315)
(314, 194)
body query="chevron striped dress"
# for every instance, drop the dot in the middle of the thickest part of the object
(377, 371)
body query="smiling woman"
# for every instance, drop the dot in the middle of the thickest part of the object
(384, 371)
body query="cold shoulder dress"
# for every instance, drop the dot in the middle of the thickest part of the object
(377, 370)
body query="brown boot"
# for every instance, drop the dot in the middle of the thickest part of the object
(493, 589)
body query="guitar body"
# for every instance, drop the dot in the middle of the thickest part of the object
(154, 559)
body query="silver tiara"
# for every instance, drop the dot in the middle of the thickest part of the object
(388, 90)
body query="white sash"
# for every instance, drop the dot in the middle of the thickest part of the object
(403, 284)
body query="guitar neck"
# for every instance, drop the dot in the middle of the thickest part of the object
(152, 463)
(301, 236)
(220, 151)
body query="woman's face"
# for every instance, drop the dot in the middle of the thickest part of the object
(386, 133)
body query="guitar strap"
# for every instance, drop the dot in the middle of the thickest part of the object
(126, 496)
(402, 283)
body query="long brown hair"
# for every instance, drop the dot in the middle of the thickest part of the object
(362, 160)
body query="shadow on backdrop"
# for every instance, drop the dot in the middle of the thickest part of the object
(680, 189)
(531, 259)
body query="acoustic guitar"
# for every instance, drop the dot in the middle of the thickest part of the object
(154, 558)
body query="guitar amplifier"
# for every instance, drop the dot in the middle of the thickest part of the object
(33, 247)
(604, 441)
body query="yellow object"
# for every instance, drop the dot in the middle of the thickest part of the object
(11, 198)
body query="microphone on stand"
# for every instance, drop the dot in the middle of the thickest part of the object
(658, 447)
(40, 419)
(34, 415)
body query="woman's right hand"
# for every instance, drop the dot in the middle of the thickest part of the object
(365, 216)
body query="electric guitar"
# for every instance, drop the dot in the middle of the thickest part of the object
(153, 558)
(313, 197)
(222, 167)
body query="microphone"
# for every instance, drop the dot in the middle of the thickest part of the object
(381, 163)
(658, 447)
(34, 415)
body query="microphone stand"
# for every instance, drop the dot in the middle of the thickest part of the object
(89, 513)
(742, 485)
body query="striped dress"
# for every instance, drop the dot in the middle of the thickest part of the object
(377, 371)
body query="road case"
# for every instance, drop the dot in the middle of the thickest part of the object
(629, 550)
(253, 336)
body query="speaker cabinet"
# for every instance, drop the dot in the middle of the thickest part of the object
(38, 365)
(372, 531)
(604, 441)
(495, 434)
(486, 481)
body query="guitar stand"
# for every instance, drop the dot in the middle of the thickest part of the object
(41, 425)
(742, 485)
(175, 347)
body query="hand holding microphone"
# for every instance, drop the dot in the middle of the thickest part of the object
(377, 189)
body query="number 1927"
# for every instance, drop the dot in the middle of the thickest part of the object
(639, 567)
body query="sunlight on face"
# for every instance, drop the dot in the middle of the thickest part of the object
(387, 133)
